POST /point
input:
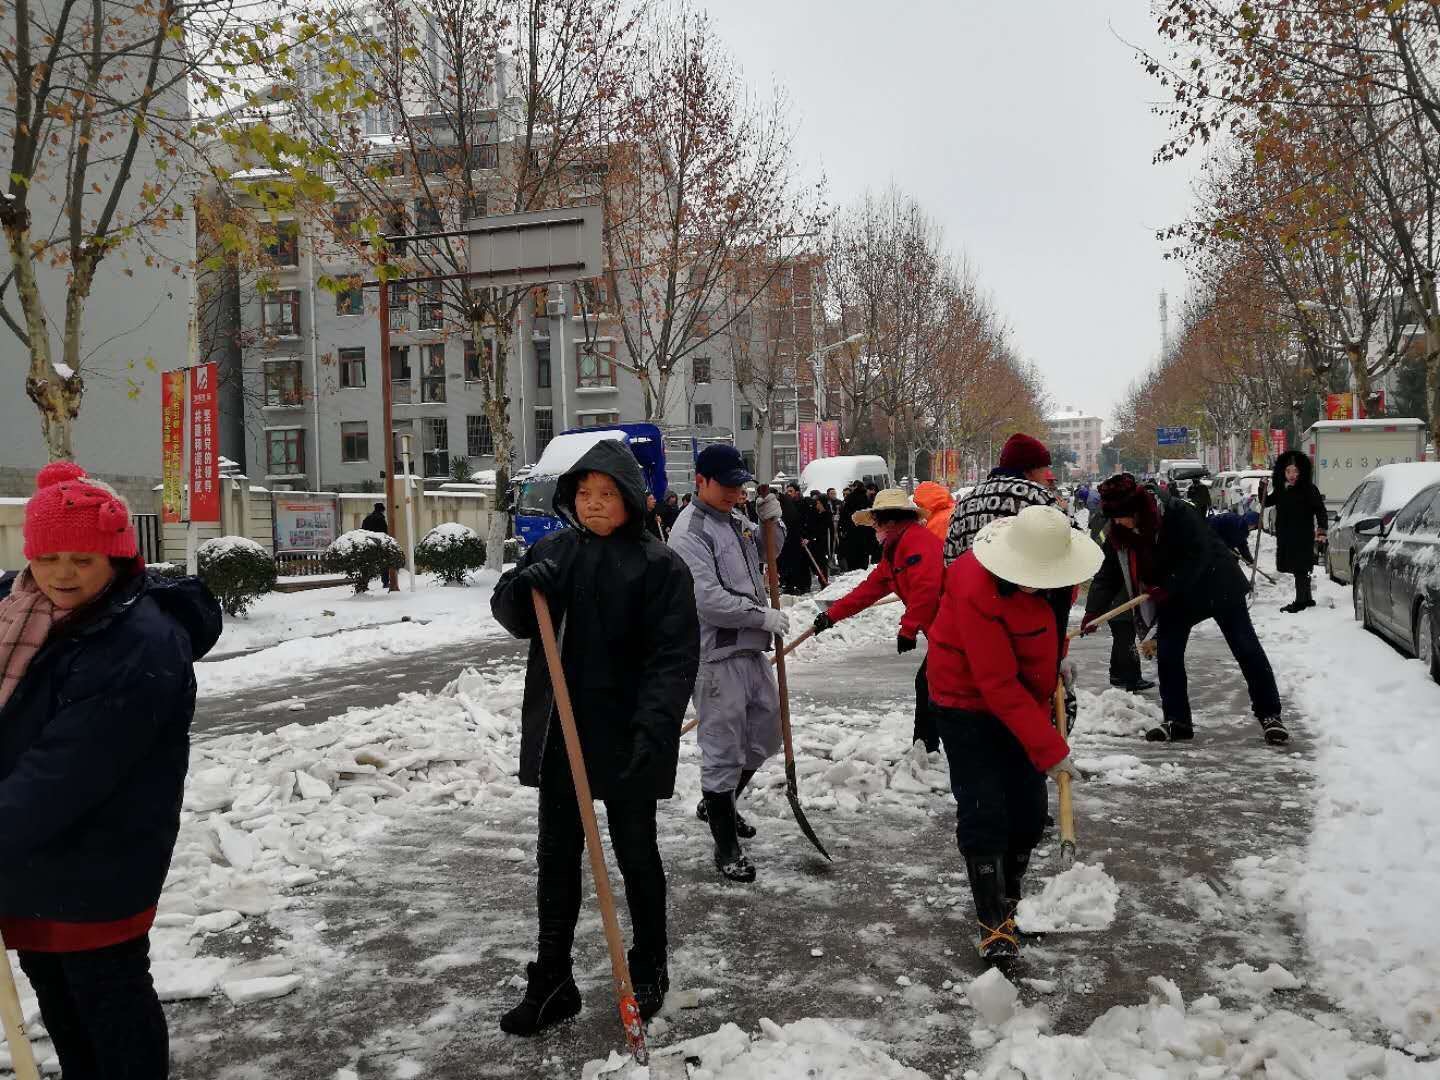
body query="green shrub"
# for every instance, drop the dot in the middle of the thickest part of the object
(237, 570)
(363, 556)
(512, 550)
(450, 551)
(168, 570)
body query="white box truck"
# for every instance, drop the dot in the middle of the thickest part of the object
(1344, 452)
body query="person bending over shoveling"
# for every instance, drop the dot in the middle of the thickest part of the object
(911, 565)
(630, 645)
(993, 671)
(736, 698)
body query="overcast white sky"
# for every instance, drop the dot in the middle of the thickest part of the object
(1024, 128)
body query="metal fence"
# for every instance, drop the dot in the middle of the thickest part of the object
(300, 563)
(150, 536)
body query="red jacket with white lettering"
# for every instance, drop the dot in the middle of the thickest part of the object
(996, 654)
(911, 567)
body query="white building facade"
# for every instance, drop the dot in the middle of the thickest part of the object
(1081, 433)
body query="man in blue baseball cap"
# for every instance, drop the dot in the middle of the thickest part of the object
(736, 699)
(1235, 530)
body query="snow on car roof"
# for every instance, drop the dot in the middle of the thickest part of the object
(1404, 480)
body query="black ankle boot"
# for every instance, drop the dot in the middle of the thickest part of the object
(998, 944)
(650, 978)
(550, 997)
(743, 828)
(730, 860)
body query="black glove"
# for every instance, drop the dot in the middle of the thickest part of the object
(543, 576)
(639, 763)
(904, 644)
(823, 622)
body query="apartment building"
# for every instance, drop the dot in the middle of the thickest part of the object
(1080, 433)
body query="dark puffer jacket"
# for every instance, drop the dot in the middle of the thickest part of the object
(94, 747)
(1299, 511)
(630, 640)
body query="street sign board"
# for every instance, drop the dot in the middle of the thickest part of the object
(1172, 436)
(537, 247)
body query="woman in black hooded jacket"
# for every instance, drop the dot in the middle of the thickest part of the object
(1300, 522)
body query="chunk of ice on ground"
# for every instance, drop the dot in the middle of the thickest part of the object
(244, 991)
(1244, 979)
(993, 996)
(1081, 898)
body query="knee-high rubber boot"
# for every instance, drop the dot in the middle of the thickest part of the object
(998, 944)
(743, 828)
(730, 859)
(1016, 863)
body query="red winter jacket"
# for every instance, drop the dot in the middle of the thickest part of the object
(911, 567)
(997, 654)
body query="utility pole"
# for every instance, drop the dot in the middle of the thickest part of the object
(387, 421)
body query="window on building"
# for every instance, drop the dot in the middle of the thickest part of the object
(542, 364)
(479, 440)
(473, 357)
(352, 369)
(354, 440)
(284, 249)
(285, 452)
(596, 365)
(476, 205)
(280, 313)
(350, 301)
(432, 307)
(427, 216)
(346, 214)
(704, 415)
(432, 376)
(400, 374)
(399, 429)
(748, 456)
(396, 226)
(592, 295)
(597, 419)
(747, 418)
(544, 428)
(284, 383)
(435, 445)
(539, 302)
(700, 367)
(785, 460)
(785, 416)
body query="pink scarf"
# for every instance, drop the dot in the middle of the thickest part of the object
(26, 619)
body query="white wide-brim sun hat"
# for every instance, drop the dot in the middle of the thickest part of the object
(889, 499)
(1037, 548)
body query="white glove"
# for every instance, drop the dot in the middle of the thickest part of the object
(776, 622)
(1065, 765)
(768, 508)
(1067, 672)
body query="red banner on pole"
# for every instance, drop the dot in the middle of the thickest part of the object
(1257, 448)
(830, 438)
(1339, 407)
(204, 445)
(172, 446)
(809, 440)
(1279, 441)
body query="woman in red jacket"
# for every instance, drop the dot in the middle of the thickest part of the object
(996, 648)
(912, 561)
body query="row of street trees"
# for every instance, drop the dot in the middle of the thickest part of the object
(1313, 244)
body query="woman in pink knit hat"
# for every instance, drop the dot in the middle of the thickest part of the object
(97, 691)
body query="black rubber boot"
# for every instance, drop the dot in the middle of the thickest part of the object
(650, 977)
(998, 944)
(1274, 730)
(730, 860)
(550, 997)
(1170, 731)
(743, 828)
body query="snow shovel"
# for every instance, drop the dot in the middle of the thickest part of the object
(824, 577)
(629, 1009)
(1113, 613)
(21, 1055)
(1255, 566)
(1062, 784)
(792, 792)
(808, 634)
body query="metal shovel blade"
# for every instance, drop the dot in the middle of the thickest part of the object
(1067, 854)
(792, 793)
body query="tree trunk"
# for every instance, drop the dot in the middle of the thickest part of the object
(1432, 375)
(56, 396)
(913, 456)
(499, 414)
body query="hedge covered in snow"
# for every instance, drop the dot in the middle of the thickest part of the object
(362, 555)
(237, 570)
(450, 551)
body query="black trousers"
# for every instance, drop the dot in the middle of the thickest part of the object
(1000, 797)
(924, 722)
(1239, 632)
(562, 846)
(1124, 658)
(1302, 588)
(101, 1011)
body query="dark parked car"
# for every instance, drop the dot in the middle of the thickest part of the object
(1397, 577)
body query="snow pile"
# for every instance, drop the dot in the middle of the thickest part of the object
(808, 1049)
(993, 996)
(1166, 1039)
(1244, 981)
(1081, 898)
(358, 540)
(1114, 712)
(221, 546)
(1366, 891)
(448, 534)
(875, 625)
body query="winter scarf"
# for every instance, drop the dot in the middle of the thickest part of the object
(27, 616)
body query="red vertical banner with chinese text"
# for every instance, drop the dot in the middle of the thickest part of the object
(1339, 407)
(204, 445)
(1279, 441)
(830, 438)
(809, 438)
(172, 446)
(1257, 448)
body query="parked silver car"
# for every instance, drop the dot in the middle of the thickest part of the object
(1380, 495)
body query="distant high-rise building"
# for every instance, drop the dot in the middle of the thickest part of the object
(1080, 432)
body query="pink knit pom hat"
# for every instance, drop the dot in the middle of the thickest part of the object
(71, 512)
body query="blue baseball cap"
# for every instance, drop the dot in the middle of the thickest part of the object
(721, 463)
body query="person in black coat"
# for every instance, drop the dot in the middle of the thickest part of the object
(793, 564)
(97, 693)
(630, 650)
(375, 520)
(819, 527)
(1199, 496)
(854, 544)
(1165, 550)
(1300, 523)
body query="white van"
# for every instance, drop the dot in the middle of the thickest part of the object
(822, 474)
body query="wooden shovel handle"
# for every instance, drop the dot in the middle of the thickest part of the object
(772, 577)
(1062, 781)
(21, 1055)
(1134, 602)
